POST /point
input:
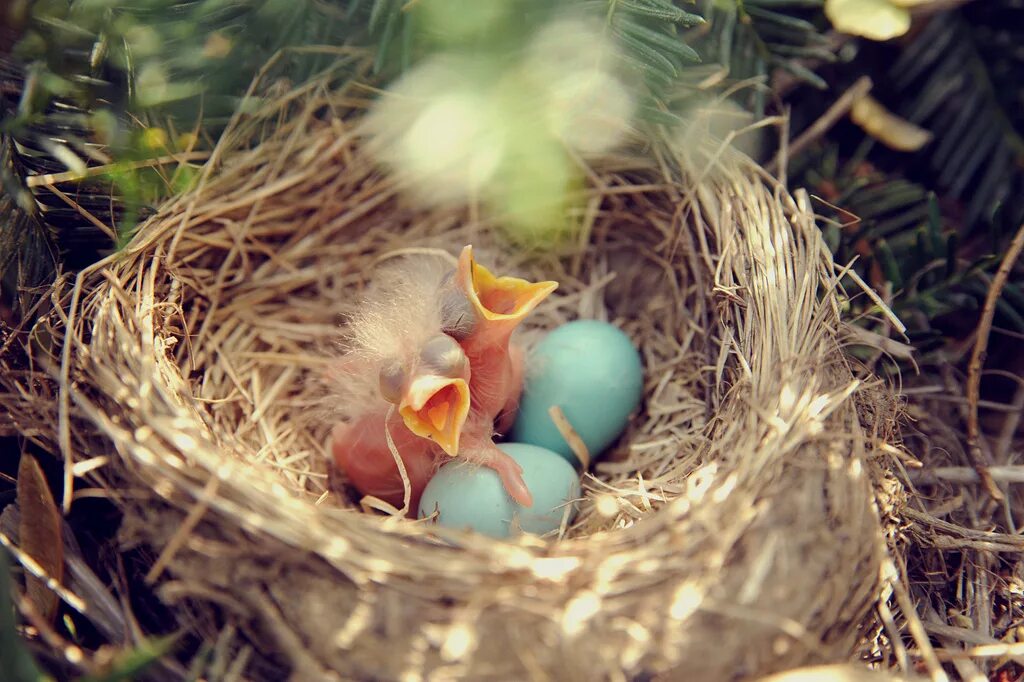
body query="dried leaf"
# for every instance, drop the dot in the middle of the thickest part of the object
(874, 19)
(886, 127)
(39, 534)
(896, 349)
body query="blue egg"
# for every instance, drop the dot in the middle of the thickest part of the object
(591, 371)
(472, 496)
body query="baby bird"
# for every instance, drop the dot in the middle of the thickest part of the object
(360, 449)
(496, 307)
(430, 362)
(400, 376)
(430, 391)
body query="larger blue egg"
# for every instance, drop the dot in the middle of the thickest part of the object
(471, 496)
(590, 370)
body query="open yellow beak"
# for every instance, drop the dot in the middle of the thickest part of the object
(500, 302)
(436, 407)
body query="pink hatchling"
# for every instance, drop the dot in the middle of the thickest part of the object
(434, 349)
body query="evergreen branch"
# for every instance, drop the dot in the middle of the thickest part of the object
(26, 250)
(957, 79)
(96, 84)
(947, 85)
(894, 229)
(750, 38)
(662, 10)
(659, 42)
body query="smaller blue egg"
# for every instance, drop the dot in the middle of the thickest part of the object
(593, 373)
(472, 496)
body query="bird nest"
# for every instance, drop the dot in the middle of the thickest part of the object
(735, 529)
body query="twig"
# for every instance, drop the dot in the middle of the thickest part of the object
(72, 653)
(989, 646)
(576, 444)
(406, 484)
(981, 651)
(33, 567)
(917, 630)
(959, 400)
(965, 667)
(1004, 474)
(825, 122)
(974, 367)
(100, 225)
(64, 378)
(877, 300)
(1016, 542)
(895, 637)
(50, 179)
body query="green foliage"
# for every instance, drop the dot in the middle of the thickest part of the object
(103, 76)
(649, 34)
(128, 664)
(960, 79)
(933, 223)
(18, 665)
(653, 47)
(751, 38)
(100, 83)
(895, 231)
(161, 56)
(649, 31)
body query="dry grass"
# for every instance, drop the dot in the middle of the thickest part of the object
(744, 526)
(966, 556)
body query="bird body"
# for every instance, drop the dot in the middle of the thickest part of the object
(361, 450)
(436, 345)
(500, 305)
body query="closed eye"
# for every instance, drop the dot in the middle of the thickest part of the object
(443, 355)
(392, 382)
(457, 317)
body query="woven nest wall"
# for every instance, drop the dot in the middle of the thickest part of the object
(734, 531)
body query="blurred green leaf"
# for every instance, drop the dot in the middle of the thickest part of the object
(129, 664)
(17, 663)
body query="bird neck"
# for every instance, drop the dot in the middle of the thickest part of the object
(494, 339)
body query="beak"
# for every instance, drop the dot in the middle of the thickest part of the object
(436, 407)
(500, 303)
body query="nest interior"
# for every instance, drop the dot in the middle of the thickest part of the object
(734, 531)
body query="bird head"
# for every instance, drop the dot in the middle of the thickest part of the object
(499, 303)
(431, 392)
